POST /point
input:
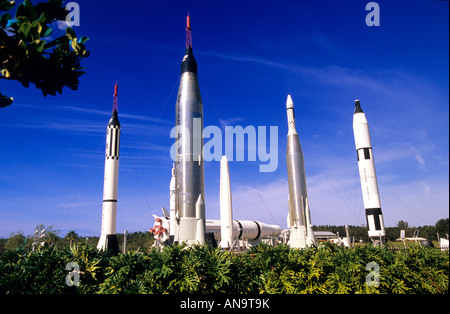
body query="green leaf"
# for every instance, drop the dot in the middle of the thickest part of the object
(41, 20)
(5, 73)
(70, 33)
(28, 59)
(6, 5)
(37, 45)
(25, 30)
(11, 22)
(4, 19)
(26, 9)
(47, 32)
(83, 39)
(5, 101)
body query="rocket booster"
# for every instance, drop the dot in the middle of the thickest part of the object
(173, 211)
(200, 227)
(301, 234)
(108, 239)
(226, 210)
(366, 165)
(189, 169)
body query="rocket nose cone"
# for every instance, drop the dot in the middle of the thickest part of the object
(357, 106)
(114, 119)
(188, 64)
(289, 102)
(199, 200)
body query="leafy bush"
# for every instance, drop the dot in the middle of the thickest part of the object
(205, 270)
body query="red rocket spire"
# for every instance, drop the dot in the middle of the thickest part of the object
(188, 32)
(116, 98)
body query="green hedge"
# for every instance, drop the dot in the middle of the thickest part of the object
(206, 270)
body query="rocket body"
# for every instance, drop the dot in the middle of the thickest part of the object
(108, 239)
(172, 209)
(301, 234)
(250, 231)
(200, 226)
(226, 209)
(189, 169)
(366, 165)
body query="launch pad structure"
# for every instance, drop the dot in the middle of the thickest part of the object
(186, 222)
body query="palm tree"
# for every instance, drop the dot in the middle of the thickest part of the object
(71, 235)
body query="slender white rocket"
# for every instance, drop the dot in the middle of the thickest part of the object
(108, 239)
(290, 116)
(172, 210)
(310, 238)
(226, 209)
(301, 234)
(200, 227)
(366, 165)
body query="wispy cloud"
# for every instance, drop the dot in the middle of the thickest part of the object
(245, 58)
(146, 118)
(95, 111)
(229, 121)
(417, 156)
(88, 121)
(389, 82)
(72, 125)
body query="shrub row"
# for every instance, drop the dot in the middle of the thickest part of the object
(205, 270)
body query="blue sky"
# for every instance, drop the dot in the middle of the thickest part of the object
(250, 55)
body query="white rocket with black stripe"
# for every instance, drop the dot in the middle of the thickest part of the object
(366, 165)
(108, 239)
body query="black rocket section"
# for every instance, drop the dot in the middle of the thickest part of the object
(112, 245)
(189, 64)
(357, 107)
(114, 119)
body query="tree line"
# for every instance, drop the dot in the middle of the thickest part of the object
(429, 232)
(135, 241)
(139, 240)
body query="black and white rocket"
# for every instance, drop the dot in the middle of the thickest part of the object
(299, 219)
(108, 239)
(366, 165)
(189, 168)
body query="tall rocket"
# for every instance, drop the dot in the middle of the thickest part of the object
(189, 170)
(366, 165)
(108, 239)
(301, 234)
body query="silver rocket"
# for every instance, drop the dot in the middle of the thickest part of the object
(108, 239)
(189, 170)
(301, 234)
(366, 165)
